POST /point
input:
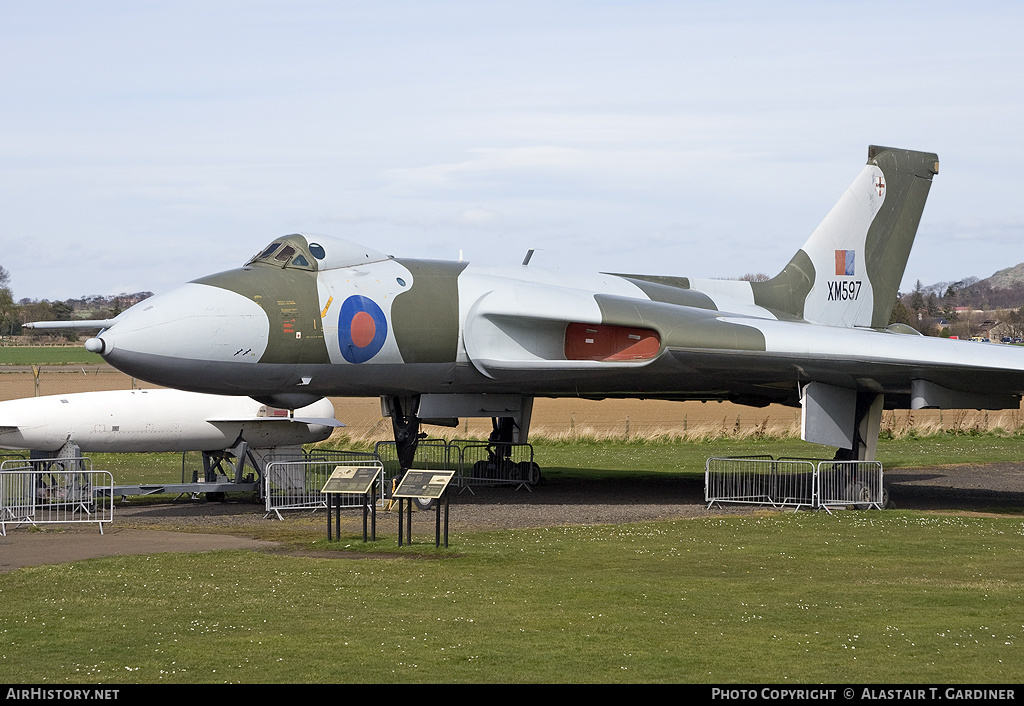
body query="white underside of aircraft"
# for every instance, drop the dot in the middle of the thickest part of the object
(156, 421)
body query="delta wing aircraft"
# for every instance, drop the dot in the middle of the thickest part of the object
(313, 316)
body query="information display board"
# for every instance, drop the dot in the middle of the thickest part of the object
(423, 484)
(351, 479)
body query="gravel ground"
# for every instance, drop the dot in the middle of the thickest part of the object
(144, 528)
(610, 501)
(551, 503)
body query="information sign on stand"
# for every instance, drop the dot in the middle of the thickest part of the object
(423, 484)
(352, 480)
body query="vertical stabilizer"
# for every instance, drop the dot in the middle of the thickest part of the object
(849, 271)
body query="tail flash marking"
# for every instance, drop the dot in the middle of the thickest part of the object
(845, 262)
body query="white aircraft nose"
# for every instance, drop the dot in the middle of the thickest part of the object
(195, 322)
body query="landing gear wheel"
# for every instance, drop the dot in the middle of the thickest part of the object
(859, 496)
(425, 503)
(483, 470)
(529, 472)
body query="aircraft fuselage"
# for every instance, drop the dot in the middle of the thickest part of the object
(314, 316)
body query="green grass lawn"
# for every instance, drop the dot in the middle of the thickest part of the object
(870, 597)
(48, 355)
(854, 597)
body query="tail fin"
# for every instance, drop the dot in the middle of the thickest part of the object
(848, 272)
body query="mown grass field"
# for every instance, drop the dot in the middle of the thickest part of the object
(48, 355)
(868, 597)
(858, 597)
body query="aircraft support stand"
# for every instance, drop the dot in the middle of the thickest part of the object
(867, 424)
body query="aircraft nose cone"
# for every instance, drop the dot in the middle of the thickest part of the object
(159, 338)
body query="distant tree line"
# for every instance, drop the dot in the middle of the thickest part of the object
(15, 313)
(965, 308)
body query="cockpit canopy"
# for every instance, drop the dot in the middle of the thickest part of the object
(315, 252)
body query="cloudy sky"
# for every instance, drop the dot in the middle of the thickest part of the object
(144, 144)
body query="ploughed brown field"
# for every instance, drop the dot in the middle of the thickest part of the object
(551, 417)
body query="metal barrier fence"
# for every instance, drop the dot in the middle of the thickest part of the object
(49, 491)
(294, 481)
(761, 481)
(495, 463)
(857, 483)
(793, 482)
(431, 455)
(476, 463)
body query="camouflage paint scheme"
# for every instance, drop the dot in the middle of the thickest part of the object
(313, 316)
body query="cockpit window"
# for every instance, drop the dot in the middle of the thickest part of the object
(290, 251)
(270, 249)
(324, 253)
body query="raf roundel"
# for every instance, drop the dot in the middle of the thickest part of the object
(362, 329)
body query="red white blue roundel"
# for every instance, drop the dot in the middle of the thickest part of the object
(362, 329)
